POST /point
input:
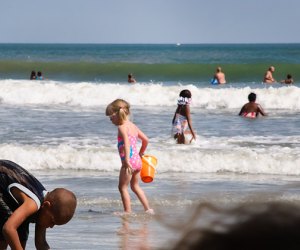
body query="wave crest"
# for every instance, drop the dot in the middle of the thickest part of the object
(86, 94)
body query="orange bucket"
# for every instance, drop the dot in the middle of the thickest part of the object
(149, 163)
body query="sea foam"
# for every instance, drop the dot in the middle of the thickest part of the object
(258, 155)
(86, 94)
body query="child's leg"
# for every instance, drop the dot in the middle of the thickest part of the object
(134, 184)
(124, 179)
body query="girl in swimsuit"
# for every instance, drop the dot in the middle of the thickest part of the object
(128, 133)
(182, 117)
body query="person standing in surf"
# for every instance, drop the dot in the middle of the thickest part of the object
(131, 78)
(182, 118)
(219, 76)
(118, 112)
(268, 77)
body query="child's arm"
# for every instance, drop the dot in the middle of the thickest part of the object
(189, 119)
(124, 135)
(177, 110)
(174, 118)
(144, 140)
(242, 110)
(260, 110)
(27, 208)
(40, 238)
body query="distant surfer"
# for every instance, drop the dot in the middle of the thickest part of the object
(251, 109)
(268, 77)
(219, 77)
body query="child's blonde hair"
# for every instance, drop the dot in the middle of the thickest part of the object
(119, 107)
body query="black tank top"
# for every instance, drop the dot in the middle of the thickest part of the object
(13, 175)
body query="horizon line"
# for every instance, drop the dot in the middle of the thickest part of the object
(177, 44)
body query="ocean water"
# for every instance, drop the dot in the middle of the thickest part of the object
(185, 63)
(57, 129)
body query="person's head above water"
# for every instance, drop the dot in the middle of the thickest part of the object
(252, 97)
(185, 93)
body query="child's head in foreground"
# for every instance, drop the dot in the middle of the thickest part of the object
(252, 97)
(58, 208)
(250, 226)
(118, 111)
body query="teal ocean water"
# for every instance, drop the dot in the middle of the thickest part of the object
(157, 63)
(57, 129)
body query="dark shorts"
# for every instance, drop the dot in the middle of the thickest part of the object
(5, 212)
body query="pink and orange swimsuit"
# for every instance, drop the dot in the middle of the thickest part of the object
(134, 157)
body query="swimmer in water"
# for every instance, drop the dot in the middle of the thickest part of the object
(251, 109)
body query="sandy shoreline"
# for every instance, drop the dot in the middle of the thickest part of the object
(96, 224)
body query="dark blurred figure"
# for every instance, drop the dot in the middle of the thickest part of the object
(40, 76)
(32, 75)
(288, 80)
(131, 79)
(255, 226)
